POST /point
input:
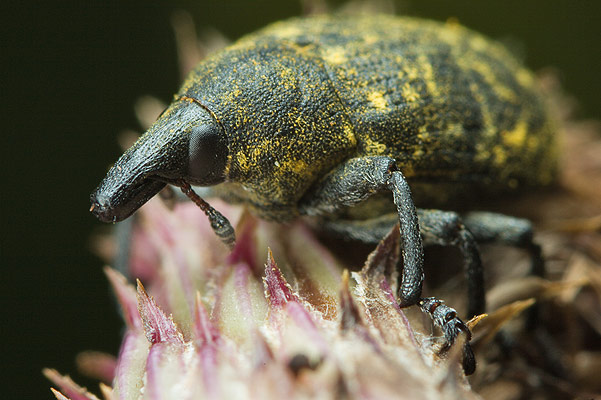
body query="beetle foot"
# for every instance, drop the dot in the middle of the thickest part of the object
(452, 326)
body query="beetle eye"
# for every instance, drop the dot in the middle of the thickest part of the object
(207, 154)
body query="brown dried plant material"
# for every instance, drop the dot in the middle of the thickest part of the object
(485, 331)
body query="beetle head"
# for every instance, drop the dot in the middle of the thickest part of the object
(185, 143)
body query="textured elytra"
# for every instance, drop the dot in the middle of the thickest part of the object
(300, 96)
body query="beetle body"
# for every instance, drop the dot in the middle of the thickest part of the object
(299, 97)
(450, 107)
(315, 116)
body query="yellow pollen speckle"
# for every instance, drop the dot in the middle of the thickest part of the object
(377, 100)
(296, 166)
(287, 30)
(418, 154)
(335, 55)
(479, 43)
(499, 154)
(371, 39)
(516, 137)
(350, 135)
(411, 95)
(372, 147)
(524, 77)
(242, 161)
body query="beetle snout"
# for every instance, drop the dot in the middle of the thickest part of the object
(102, 209)
(163, 155)
(114, 201)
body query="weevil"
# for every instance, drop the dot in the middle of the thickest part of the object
(326, 116)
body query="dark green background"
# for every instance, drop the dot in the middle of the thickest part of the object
(70, 74)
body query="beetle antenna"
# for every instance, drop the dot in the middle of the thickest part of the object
(220, 224)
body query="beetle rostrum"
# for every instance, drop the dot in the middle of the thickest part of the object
(187, 142)
(326, 116)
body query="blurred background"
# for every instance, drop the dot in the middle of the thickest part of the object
(71, 72)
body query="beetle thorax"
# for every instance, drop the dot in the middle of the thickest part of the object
(285, 129)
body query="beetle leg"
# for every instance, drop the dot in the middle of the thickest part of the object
(219, 223)
(369, 231)
(413, 254)
(356, 180)
(359, 178)
(171, 197)
(446, 228)
(517, 232)
(446, 319)
(436, 228)
(490, 227)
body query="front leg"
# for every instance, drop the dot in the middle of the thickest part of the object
(355, 181)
